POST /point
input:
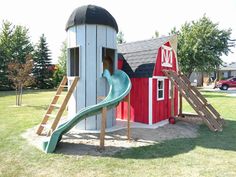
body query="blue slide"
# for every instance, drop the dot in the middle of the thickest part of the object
(120, 86)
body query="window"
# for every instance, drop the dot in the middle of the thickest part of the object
(160, 89)
(108, 58)
(166, 56)
(74, 59)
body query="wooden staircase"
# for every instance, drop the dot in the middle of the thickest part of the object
(205, 110)
(54, 105)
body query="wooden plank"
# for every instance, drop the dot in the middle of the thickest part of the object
(180, 104)
(111, 43)
(79, 94)
(91, 67)
(71, 37)
(103, 128)
(111, 38)
(101, 82)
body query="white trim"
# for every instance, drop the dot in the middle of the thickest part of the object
(166, 47)
(150, 101)
(160, 77)
(163, 89)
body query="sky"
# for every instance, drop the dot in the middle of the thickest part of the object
(138, 20)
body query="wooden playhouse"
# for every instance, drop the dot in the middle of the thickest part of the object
(144, 61)
(158, 86)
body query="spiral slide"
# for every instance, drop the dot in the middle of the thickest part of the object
(120, 86)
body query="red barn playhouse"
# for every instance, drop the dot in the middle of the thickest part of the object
(150, 95)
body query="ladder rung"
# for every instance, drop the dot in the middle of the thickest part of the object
(64, 86)
(51, 115)
(45, 125)
(56, 105)
(60, 95)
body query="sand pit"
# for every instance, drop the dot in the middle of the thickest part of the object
(80, 144)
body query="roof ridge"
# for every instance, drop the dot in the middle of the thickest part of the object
(145, 40)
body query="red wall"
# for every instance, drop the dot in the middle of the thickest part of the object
(162, 108)
(138, 101)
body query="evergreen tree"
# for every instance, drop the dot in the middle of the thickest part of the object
(5, 53)
(22, 46)
(43, 71)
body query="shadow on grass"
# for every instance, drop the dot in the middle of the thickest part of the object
(211, 140)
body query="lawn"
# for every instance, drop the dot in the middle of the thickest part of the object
(210, 154)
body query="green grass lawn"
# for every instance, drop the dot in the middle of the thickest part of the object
(210, 154)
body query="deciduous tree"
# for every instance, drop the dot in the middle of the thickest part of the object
(21, 76)
(201, 44)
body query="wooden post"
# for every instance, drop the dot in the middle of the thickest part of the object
(103, 128)
(128, 121)
(172, 91)
(180, 104)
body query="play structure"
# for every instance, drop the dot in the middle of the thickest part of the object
(100, 75)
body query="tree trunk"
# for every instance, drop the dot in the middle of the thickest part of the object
(21, 92)
(16, 96)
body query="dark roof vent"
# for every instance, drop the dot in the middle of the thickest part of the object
(91, 14)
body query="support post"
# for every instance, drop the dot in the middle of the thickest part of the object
(128, 121)
(103, 128)
(180, 104)
(172, 91)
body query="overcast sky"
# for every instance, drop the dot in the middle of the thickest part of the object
(137, 19)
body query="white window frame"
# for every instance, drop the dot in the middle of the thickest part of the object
(166, 52)
(163, 89)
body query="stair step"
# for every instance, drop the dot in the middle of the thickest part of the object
(56, 105)
(51, 115)
(64, 86)
(60, 95)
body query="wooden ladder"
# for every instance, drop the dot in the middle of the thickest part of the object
(61, 107)
(205, 110)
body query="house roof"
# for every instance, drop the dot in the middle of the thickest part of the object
(140, 57)
(228, 67)
(91, 14)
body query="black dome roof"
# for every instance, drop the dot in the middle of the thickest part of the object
(91, 14)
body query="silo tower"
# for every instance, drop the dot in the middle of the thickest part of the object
(91, 49)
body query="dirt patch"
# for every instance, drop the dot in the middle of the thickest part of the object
(88, 143)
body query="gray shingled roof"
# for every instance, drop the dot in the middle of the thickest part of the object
(140, 57)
